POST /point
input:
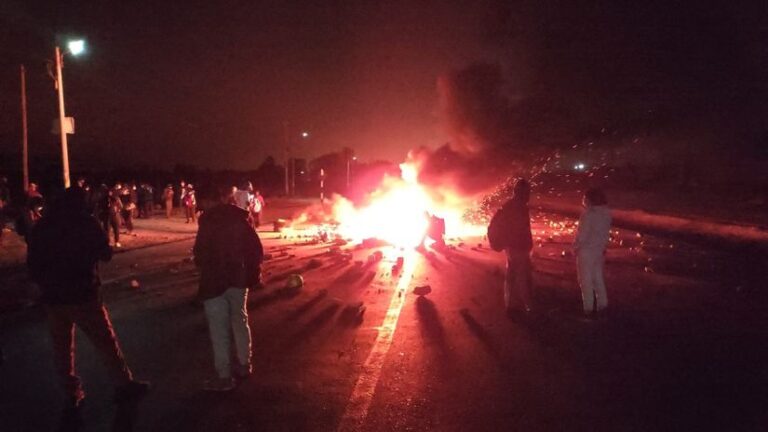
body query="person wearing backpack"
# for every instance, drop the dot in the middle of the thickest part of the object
(510, 231)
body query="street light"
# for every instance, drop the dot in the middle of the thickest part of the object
(354, 158)
(75, 47)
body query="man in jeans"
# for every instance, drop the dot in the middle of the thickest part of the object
(515, 223)
(229, 253)
(65, 247)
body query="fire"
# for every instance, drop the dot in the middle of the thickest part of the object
(398, 212)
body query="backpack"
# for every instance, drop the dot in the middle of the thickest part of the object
(498, 231)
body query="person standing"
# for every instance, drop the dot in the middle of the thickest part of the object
(64, 250)
(258, 207)
(591, 240)
(5, 203)
(190, 204)
(182, 192)
(228, 253)
(114, 210)
(149, 202)
(510, 231)
(31, 213)
(126, 195)
(168, 199)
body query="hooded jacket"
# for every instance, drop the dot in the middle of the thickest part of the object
(227, 250)
(65, 247)
(594, 229)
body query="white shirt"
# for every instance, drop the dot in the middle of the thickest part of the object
(594, 228)
(243, 199)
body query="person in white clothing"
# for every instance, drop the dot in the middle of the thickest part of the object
(591, 239)
(244, 196)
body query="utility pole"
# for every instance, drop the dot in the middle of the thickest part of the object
(62, 118)
(24, 136)
(287, 139)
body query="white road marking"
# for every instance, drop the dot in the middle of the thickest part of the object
(365, 387)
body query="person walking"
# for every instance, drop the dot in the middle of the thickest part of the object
(510, 231)
(591, 240)
(168, 199)
(64, 250)
(228, 253)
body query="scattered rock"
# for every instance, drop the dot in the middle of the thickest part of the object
(314, 263)
(422, 290)
(135, 284)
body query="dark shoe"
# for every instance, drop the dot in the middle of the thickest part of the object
(220, 385)
(74, 403)
(242, 372)
(132, 391)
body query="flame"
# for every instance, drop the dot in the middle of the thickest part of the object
(398, 212)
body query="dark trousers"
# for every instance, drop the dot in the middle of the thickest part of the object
(148, 209)
(93, 319)
(112, 221)
(128, 219)
(190, 213)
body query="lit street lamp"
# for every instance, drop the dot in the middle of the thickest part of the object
(353, 158)
(75, 47)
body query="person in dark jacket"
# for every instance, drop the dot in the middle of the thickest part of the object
(518, 244)
(114, 208)
(128, 199)
(64, 250)
(228, 253)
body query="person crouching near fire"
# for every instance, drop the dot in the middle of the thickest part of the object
(228, 253)
(510, 231)
(591, 239)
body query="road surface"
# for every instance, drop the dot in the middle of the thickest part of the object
(684, 347)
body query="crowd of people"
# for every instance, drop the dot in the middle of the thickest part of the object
(115, 207)
(69, 239)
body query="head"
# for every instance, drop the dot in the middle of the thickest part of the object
(81, 182)
(226, 194)
(72, 201)
(32, 187)
(522, 190)
(594, 197)
(246, 186)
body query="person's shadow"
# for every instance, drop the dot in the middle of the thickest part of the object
(71, 420)
(125, 416)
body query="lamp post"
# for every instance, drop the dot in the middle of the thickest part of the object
(75, 47)
(353, 158)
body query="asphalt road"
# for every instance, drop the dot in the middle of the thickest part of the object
(683, 349)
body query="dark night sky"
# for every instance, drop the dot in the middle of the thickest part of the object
(211, 83)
